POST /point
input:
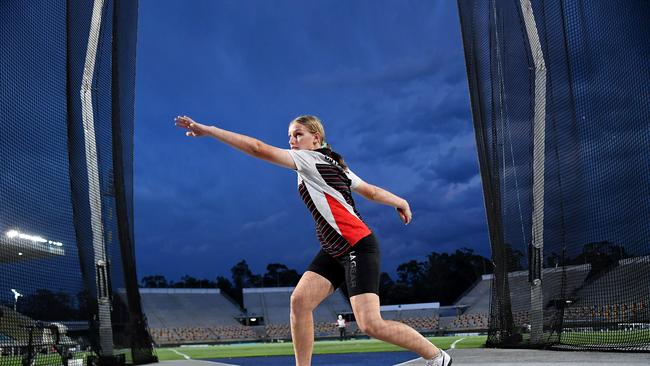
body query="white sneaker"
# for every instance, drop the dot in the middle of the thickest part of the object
(443, 359)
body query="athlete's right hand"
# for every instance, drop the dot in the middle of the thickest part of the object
(194, 129)
(404, 212)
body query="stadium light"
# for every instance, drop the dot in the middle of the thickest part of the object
(34, 238)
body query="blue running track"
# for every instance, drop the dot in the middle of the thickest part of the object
(346, 359)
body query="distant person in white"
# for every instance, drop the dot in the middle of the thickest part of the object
(341, 323)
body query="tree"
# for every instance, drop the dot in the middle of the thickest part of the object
(411, 283)
(191, 282)
(410, 273)
(86, 302)
(442, 277)
(386, 288)
(224, 284)
(278, 274)
(243, 277)
(450, 276)
(602, 256)
(226, 287)
(514, 258)
(48, 306)
(392, 293)
(155, 281)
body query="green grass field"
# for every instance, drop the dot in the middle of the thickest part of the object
(55, 359)
(629, 337)
(41, 359)
(351, 346)
(264, 349)
(320, 347)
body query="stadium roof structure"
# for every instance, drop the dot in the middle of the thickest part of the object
(15, 249)
(167, 290)
(420, 306)
(260, 290)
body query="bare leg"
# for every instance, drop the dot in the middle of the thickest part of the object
(310, 291)
(366, 311)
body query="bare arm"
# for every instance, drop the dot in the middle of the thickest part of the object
(246, 144)
(385, 197)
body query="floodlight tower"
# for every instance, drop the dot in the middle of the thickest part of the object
(16, 296)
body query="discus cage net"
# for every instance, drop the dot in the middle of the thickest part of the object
(561, 109)
(68, 286)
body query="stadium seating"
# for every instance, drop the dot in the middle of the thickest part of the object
(188, 308)
(477, 298)
(271, 303)
(421, 317)
(184, 316)
(278, 331)
(610, 288)
(579, 284)
(14, 326)
(477, 322)
(274, 304)
(186, 335)
(178, 316)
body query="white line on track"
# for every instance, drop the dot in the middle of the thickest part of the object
(181, 354)
(453, 345)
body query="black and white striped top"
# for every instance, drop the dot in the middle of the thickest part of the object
(326, 189)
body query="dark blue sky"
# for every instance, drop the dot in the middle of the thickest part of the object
(386, 77)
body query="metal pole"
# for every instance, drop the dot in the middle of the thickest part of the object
(539, 142)
(94, 188)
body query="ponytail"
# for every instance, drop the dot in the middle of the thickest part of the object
(327, 151)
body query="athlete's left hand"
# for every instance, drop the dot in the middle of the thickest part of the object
(404, 212)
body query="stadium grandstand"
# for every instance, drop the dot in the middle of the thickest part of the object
(606, 312)
(207, 316)
(19, 334)
(171, 307)
(185, 316)
(192, 316)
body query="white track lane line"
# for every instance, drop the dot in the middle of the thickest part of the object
(181, 354)
(453, 345)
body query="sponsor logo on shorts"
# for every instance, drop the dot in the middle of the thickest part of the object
(353, 269)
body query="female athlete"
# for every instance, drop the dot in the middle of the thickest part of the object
(349, 251)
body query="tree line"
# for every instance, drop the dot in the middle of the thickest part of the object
(440, 277)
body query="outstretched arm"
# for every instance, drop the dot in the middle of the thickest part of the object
(249, 145)
(385, 197)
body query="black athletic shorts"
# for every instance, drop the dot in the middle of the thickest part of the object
(358, 267)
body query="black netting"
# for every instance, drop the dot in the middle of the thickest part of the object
(68, 287)
(561, 109)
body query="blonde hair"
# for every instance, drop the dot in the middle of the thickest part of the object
(315, 126)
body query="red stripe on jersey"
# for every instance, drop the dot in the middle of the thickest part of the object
(352, 229)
